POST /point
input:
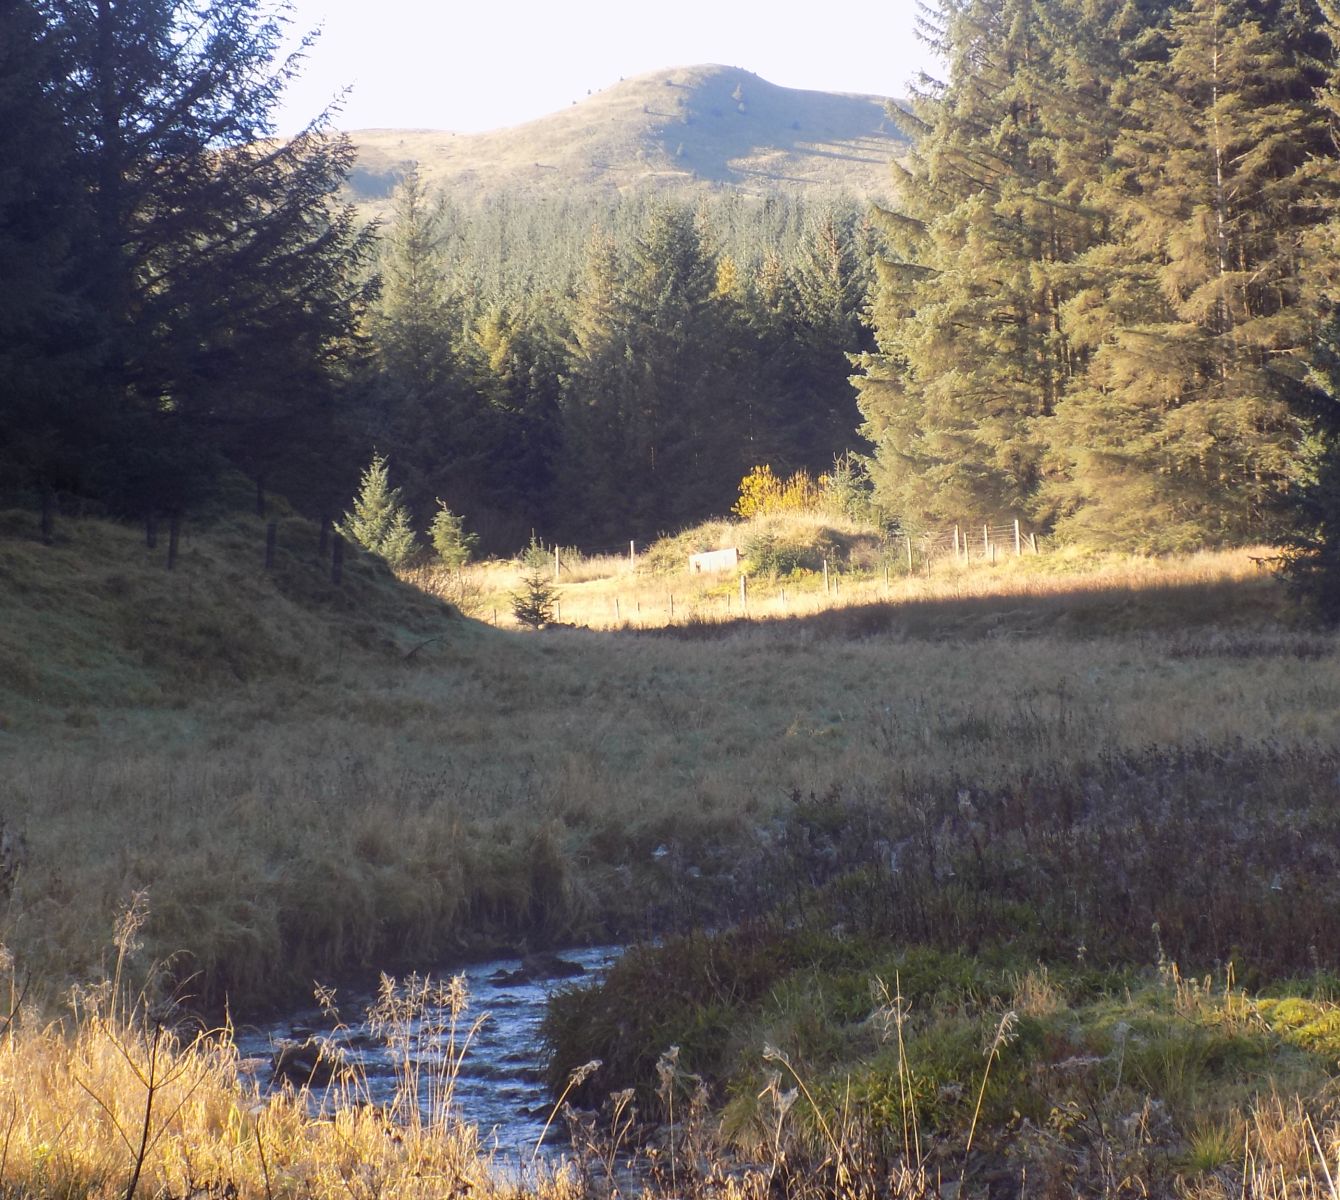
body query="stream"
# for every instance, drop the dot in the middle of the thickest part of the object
(500, 1084)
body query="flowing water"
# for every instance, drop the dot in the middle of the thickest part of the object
(499, 1086)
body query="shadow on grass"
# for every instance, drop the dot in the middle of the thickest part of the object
(1240, 605)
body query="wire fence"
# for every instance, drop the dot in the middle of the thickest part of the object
(967, 542)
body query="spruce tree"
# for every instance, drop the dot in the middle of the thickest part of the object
(416, 311)
(221, 269)
(1312, 542)
(597, 437)
(447, 533)
(380, 522)
(536, 603)
(651, 413)
(45, 426)
(1186, 427)
(971, 354)
(681, 418)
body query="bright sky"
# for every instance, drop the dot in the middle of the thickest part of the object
(436, 64)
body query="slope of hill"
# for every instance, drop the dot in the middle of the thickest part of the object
(684, 129)
(94, 627)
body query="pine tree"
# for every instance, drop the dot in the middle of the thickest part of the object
(44, 329)
(681, 417)
(416, 311)
(1185, 427)
(514, 362)
(1312, 541)
(821, 326)
(650, 409)
(536, 603)
(596, 435)
(420, 406)
(380, 522)
(447, 533)
(221, 269)
(971, 354)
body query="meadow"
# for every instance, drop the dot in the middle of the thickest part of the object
(1053, 790)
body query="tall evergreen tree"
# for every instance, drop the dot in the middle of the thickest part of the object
(43, 326)
(420, 407)
(597, 438)
(1187, 426)
(971, 354)
(652, 412)
(221, 270)
(830, 283)
(380, 522)
(1312, 541)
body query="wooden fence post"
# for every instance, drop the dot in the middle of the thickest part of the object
(956, 550)
(336, 559)
(616, 608)
(744, 592)
(908, 540)
(1033, 541)
(555, 564)
(986, 541)
(271, 537)
(174, 533)
(825, 576)
(1017, 548)
(632, 554)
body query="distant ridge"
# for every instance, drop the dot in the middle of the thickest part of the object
(684, 129)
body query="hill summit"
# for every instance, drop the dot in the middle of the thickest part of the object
(682, 129)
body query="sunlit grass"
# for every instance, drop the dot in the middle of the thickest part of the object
(657, 589)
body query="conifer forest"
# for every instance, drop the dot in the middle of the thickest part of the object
(1100, 303)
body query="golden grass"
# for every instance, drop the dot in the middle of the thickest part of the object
(107, 1103)
(606, 593)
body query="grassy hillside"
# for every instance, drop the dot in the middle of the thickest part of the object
(96, 628)
(677, 130)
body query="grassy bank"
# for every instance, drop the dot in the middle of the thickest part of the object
(1016, 771)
